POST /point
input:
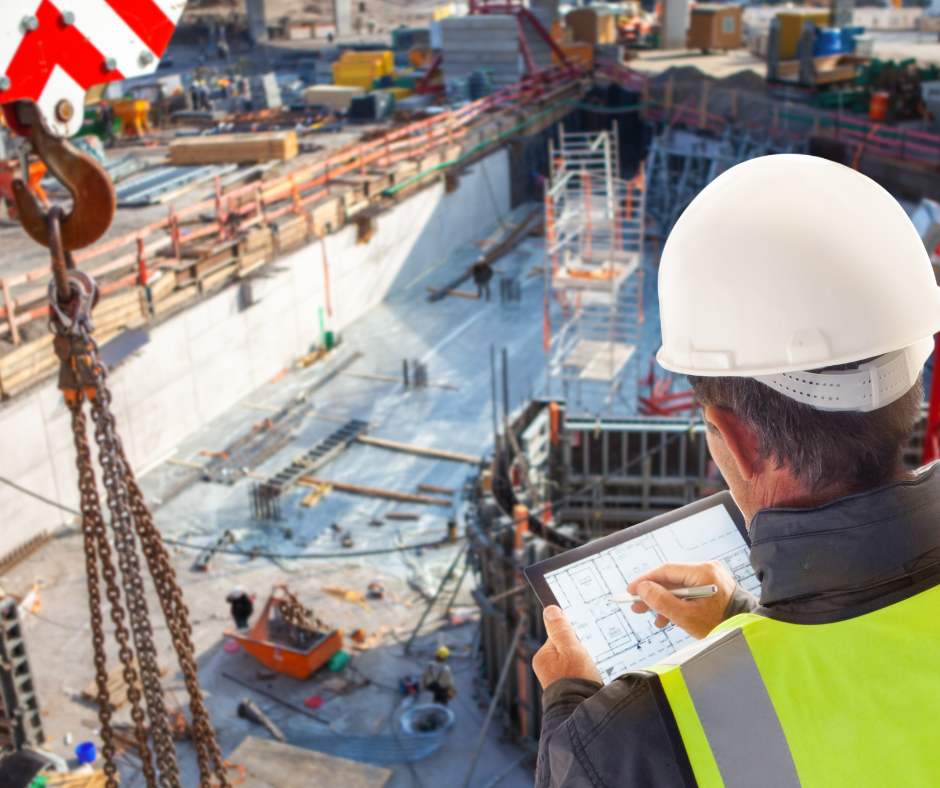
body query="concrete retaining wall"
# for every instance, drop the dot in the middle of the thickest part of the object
(211, 356)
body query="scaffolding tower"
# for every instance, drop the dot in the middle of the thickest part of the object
(594, 223)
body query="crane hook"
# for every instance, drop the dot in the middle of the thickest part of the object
(93, 199)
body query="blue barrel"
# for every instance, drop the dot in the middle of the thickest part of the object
(828, 42)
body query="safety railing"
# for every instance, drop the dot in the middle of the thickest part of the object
(257, 203)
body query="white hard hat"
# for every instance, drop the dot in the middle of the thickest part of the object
(789, 263)
(235, 593)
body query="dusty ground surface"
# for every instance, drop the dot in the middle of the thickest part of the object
(60, 651)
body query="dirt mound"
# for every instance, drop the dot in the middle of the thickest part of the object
(680, 75)
(745, 79)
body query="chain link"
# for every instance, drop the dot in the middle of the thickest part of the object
(83, 376)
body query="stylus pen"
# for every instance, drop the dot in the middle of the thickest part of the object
(698, 592)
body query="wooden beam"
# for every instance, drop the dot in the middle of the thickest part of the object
(433, 489)
(451, 291)
(438, 454)
(312, 481)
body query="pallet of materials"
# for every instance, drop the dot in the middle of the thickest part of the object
(371, 183)
(290, 231)
(204, 259)
(234, 148)
(255, 250)
(327, 214)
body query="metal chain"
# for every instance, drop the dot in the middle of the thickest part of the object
(83, 376)
(293, 612)
(177, 619)
(114, 473)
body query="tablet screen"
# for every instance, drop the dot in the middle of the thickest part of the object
(617, 638)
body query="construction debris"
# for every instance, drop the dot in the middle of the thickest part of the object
(348, 595)
(117, 688)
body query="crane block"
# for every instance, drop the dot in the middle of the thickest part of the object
(53, 52)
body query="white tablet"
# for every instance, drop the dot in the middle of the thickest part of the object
(581, 581)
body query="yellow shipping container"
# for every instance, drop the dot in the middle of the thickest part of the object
(791, 27)
(385, 57)
(357, 75)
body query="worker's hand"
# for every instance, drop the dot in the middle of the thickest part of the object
(562, 656)
(698, 617)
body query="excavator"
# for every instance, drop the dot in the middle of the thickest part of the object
(51, 53)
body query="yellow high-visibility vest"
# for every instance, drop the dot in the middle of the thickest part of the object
(761, 703)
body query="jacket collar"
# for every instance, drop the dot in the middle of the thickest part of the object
(850, 544)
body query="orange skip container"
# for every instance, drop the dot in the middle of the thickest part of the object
(283, 657)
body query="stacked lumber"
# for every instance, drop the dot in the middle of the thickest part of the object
(117, 687)
(26, 365)
(327, 215)
(175, 299)
(290, 231)
(113, 315)
(255, 250)
(234, 148)
(162, 283)
(202, 260)
(452, 153)
(372, 183)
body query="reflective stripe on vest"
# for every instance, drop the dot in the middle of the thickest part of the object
(851, 704)
(735, 713)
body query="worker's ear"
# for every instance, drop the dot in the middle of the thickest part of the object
(739, 438)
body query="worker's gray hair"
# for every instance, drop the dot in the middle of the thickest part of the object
(855, 451)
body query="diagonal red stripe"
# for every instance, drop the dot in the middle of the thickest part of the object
(147, 20)
(53, 44)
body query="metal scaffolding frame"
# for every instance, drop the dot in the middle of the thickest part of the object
(682, 162)
(594, 224)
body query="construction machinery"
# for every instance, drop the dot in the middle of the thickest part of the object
(50, 58)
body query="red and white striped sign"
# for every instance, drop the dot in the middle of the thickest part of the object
(54, 50)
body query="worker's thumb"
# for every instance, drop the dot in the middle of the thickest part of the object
(659, 599)
(559, 628)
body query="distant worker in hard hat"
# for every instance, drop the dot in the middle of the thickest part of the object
(242, 607)
(438, 677)
(799, 299)
(482, 273)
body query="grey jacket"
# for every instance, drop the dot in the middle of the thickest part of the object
(830, 563)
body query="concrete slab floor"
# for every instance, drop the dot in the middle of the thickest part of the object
(453, 338)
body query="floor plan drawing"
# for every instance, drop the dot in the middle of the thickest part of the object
(617, 638)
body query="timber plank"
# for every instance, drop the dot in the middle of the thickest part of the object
(282, 765)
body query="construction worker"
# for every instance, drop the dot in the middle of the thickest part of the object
(242, 606)
(438, 677)
(482, 273)
(799, 299)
